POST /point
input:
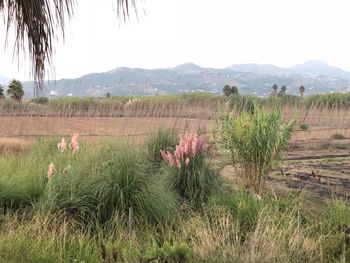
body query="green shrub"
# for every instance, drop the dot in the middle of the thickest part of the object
(304, 126)
(255, 141)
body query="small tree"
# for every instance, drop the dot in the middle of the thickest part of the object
(108, 95)
(15, 90)
(255, 142)
(301, 90)
(2, 95)
(274, 90)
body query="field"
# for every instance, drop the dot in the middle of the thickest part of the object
(304, 202)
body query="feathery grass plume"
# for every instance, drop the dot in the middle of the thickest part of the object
(61, 146)
(74, 143)
(190, 144)
(51, 171)
(190, 175)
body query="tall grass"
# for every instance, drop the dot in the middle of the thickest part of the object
(161, 139)
(101, 182)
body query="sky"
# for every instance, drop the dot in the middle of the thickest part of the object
(209, 33)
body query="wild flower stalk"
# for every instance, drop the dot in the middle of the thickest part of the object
(189, 146)
(51, 171)
(74, 143)
(61, 146)
(67, 169)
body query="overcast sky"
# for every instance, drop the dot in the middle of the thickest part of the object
(209, 33)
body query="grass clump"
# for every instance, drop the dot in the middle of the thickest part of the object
(162, 139)
(191, 176)
(108, 182)
(255, 141)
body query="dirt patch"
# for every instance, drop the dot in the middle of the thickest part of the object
(319, 175)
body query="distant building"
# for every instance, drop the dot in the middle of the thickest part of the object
(53, 94)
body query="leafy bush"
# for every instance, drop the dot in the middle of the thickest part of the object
(190, 175)
(255, 141)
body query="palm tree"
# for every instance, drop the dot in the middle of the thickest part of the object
(282, 91)
(234, 90)
(2, 95)
(227, 90)
(301, 90)
(15, 90)
(37, 23)
(274, 90)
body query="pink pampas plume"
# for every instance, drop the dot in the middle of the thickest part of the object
(61, 146)
(74, 143)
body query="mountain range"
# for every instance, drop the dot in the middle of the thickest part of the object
(316, 76)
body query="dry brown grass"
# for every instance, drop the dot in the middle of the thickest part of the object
(9, 146)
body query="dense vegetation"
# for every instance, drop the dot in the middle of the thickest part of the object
(161, 201)
(203, 105)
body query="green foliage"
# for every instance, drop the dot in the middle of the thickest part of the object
(256, 141)
(108, 182)
(304, 126)
(15, 90)
(102, 182)
(40, 100)
(162, 139)
(243, 207)
(178, 252)
(328, 101)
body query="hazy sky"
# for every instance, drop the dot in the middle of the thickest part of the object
(209, 33)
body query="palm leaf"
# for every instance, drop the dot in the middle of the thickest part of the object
(37, 23)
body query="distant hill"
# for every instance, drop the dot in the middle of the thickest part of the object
(317, 77)
(315, 67)
(263, 69)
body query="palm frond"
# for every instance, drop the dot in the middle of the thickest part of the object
(37, 23)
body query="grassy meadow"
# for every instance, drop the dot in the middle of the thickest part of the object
(164, 198)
